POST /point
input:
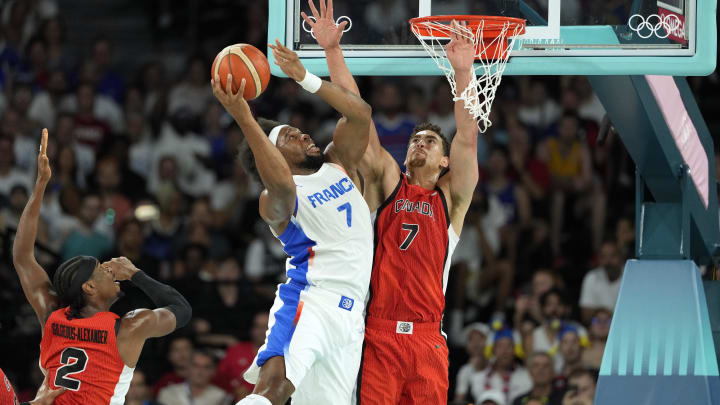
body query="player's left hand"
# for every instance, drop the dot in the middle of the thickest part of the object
(46, 395)
(288, 61)
(43, 169)
(327, 33)
(460, 50)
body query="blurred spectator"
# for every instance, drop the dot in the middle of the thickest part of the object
(625, 237)
(528, 309)
(197, 390)
(89, 128)
(537, 110)
(109, 82)
(10, 176)
(228, 305)
(108, 179)
(545, 337)
(180, 350)
(476, 335)
(581, 388)
(393, 126)
(193, 93)
(599, 330)
(186, 150)
(10, 215)
(83, 155)
(571, 350)
(601, 286)
(45, 105)
(568, 160)
(83, 238)
(590, 106)
(166, 225)
(442, 111)
(492, 397)
(503, 374)
(139, 392)
(540, 366)
(529, 171)
(239, 357)
(265, 258)
(140, 151)
(385, 16)
(52, 33)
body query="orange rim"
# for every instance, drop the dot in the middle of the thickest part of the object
(494, 25)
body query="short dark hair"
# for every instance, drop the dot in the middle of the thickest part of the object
(553, 291)
(593, 374)
(425, 126)
(247, 159)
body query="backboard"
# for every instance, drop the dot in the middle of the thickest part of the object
(563, 37)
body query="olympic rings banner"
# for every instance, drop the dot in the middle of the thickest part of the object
(669, 25)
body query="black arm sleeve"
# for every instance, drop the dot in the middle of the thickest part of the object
(163, 295)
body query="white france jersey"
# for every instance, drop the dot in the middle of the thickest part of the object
(330, 237)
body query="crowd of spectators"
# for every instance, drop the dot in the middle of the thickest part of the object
(144, 166)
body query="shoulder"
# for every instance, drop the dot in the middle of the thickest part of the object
(172, 389)
(594, 275)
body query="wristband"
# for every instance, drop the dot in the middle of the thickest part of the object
(311, 83)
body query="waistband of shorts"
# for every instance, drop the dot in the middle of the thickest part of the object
(329, 298)
(392, 326)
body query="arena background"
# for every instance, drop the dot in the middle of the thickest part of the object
(143, 162)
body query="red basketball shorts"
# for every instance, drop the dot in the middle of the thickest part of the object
(403, 363)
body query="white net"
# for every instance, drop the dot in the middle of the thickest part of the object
(492, 54)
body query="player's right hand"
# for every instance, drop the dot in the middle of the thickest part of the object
(234, 103)
(327, 33)
(122, 268)
(43, 169)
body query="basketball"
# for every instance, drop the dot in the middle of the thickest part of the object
(242, 61)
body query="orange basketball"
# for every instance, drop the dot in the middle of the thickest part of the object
(242, 61)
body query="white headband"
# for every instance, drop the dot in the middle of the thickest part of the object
(274, 134)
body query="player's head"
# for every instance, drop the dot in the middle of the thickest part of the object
(83, 280)
(428, 147)
(298, 149)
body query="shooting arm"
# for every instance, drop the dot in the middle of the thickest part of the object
(278, 200)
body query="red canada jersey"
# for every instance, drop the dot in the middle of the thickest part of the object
(414, 241)
(7, 394)
(81, 355)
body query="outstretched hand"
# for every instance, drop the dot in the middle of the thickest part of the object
(43, 169)
(327, 33)
(288, 61)
(234, 103)
(461, 50)
(46, 395)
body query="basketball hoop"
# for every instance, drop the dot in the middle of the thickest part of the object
(493, 38)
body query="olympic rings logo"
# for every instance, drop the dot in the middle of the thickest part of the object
(337, 22)
(655, 25)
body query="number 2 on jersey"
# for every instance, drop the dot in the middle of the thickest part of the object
(347, 207)
(413, 228)
(71, 367)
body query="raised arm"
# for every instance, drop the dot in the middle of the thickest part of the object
(351, 135)
(33, 279)
(376, 160)
(278, 200)
(463, 176)
(173, 311)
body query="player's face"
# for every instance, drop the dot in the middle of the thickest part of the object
(105, 284)
(298, 148)
(426, 149)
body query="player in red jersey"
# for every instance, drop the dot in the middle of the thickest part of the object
(85, 348)
(419, 215)
(45, 396)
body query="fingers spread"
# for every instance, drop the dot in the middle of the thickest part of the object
(313, 9)
(228, 85)
(307, 19)
(323, 12)
(329, 8)
(342, 26)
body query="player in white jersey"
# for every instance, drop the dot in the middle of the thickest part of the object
(312, 204)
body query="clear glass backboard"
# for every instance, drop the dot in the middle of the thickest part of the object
(563, 37)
